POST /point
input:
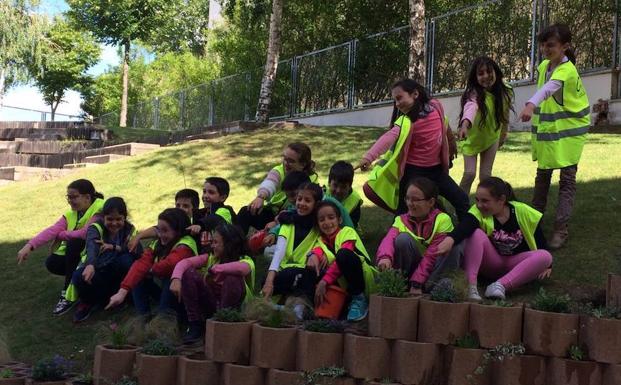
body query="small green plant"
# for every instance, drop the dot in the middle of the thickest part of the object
(7, 373)
(605, 312)
(469, 341)
(269, 314)
(159, 347)
(498, 353)
(83, 379)
(550, 302)
(122, 335)
(324, 326)
(327, 373)
(126, 381)
(498, 303)
(576, 353)
(391, 283)
(51, 369)
(228, 315)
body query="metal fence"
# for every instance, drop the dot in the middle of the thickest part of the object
(359, 73)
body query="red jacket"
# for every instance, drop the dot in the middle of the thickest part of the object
(162, 268)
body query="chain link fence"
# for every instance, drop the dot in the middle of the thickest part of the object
(359, 73)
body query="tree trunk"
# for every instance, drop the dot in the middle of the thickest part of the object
(271, 64)
(416, 63)
(123, 114)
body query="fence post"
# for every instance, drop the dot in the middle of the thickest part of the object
(432, 55)
(156, 113)
(247, 97)
(294, 86)
(351, 67)
(211, 105)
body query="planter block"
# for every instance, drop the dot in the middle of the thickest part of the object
(228, 341)
(613, 290)
(241, 375)
(495, 325)
(394, 318)
(112, 364)
(334, 381)
(549, 334)
(611, 374)
(283, 377)
(415, 363)
(366, 357)
(273, 348)
(318, 350)
(197, 370)
(519, 370)
(568, 372)
(13, 381)
(30, 381)
(602, 338)
(156, 370)
(442, 322)
(461, 365)
(379, 383)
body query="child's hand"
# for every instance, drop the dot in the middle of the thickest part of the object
(269, 240)
(267, 290)
(175, 288)
(363, 165)
(88, 273)
(270, 226)
(527, 113)
(194, 229)
(384, 264)
(133, 243)
(104, 246)
(23, 253)
(445, 246)
(462, 133)
(117, 299)
(546, 274)
(314, 262)
(320, 292)
(256, 205)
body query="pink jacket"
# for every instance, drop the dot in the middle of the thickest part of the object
(59, 231)
(232, 268)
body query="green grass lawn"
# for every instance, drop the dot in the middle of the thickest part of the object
(148, 183)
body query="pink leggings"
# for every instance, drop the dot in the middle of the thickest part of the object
(480, 256)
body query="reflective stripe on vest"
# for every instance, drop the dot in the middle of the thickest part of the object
(527, 218)
(296, 257)
(73, 223)
(384, 178)
(561, 122)
(442, 224)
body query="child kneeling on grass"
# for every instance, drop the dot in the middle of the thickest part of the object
(224, 278)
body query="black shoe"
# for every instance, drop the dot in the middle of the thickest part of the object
(63, 306)
(194, 333)
(82, 312)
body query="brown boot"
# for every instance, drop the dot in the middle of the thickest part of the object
(559, 237)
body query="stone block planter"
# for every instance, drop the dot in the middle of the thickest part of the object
(283, 377)
(520, 370)
(416, 363)
(379, 383)
(442, 322)
(228, 341)
(394, 318)
(273, 348)
(238, 374)
(602, 338)
(197, 370)
(613, 290)
(611, 374)
(156, 370)
(318, 350)
(568, 372)
(495, 325)
(549, 334)
(461, 365)
(111, 364)
(30, 381)
(13, 381)
(366, 357)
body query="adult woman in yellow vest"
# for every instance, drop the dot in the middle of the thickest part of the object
(105, 259)
(224, 278)
(561, 119)
(484, 119)
(68, 234)
(288, 273)
(149, 276)
(271, 198)
(411, 243)
(416, 145)
(503, 241)
(341, 250)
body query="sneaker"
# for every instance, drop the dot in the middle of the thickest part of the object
(194, 333)
(82, 312)
(358, 309)
(63, 305)
(559, 238)
(473, 294)
(298, 310)
(495, 290)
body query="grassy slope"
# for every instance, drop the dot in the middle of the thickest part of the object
(148, 183)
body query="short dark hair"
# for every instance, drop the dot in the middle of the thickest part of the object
(85, 187)
(341, 172)
(221, 184)
(294, 180)
(188, 193)
(114, 204)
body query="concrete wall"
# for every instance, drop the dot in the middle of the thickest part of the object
(599, 86)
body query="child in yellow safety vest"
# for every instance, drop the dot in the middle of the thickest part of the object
(561, 118)
(484, 119)
(341, 253)
(220, 279)
(68, 235)
(340, 180)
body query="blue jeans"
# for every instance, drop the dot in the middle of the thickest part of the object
(158, 289)
(105, 282)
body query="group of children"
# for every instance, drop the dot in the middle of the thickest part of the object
(195, 261)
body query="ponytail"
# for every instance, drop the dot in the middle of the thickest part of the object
(562, 33)
(498, 187)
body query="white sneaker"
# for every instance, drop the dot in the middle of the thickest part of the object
(495, 290)
(473, 294)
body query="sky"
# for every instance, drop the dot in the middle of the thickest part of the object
(27, 96)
